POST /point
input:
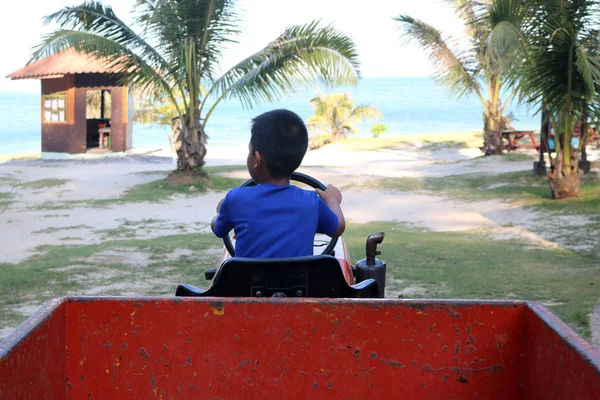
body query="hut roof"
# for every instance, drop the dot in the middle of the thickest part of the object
(60, 64)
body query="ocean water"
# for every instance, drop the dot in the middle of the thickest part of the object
(410, 105)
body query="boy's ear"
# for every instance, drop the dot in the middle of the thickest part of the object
(260, 159)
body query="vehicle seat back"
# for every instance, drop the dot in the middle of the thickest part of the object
(312, 276)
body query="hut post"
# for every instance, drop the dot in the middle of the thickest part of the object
(102, 104)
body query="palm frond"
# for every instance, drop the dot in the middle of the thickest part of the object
(474, 13)
(366, 111)
(350, 129)
(132, 68)
(92, 17)
(587, 70)
(297, 58)
(207, 26)
(454, 68)
(508, 45)
(94, 29)
(337, 114)
(560, 72)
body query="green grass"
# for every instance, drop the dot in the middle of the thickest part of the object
(320, 166)
(145, 221)
(468, 187)
(6, 199)
(119, 233)
(59, 205)
(209, 170)
(154, 191)
(463, 265)
(129, 229)
(403, 184)
(518, 157)
(224, 168)
(159, 191)
(588, 203)
(42, 183)
(428, 145)
(146, 173)
(4, 205)
(428, 142)
(6, 180)
(54, 166)
(58, 229)
(34, 280)
(520, 187)
(514, 186)
(472, 265)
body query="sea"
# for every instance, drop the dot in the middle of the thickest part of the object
(410, 105)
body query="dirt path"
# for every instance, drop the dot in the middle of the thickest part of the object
(48, 216)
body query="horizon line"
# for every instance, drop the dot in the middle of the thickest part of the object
(8, 90)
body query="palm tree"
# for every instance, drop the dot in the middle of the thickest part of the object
(335, 115)
(557, 41)
(179, 46)
(466, 71)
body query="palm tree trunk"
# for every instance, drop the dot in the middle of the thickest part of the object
(492, 135)
(492, 120)
(564, 171)
(190, 152)
(564, 179)
(492, 138)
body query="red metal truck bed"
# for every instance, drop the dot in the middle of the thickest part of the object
(166, 348)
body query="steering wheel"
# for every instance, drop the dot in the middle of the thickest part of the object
(299, 177)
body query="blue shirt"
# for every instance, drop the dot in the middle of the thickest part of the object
(274, 221)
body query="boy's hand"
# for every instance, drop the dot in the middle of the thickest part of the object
(333, 198)
(331, 194)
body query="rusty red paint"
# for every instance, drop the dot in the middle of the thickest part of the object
(160, 348)
(32, 358)
(564, 365)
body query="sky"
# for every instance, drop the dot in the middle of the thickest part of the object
(369, 23)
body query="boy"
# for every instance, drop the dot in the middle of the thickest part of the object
(275, 219)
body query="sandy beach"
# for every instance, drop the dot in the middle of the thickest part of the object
(59, 214)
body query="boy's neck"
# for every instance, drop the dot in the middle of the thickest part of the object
(276, 181)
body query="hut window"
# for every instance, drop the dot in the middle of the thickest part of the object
(55, 107)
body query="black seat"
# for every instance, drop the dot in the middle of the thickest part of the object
(313, 276)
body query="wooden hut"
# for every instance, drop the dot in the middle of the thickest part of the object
(72, 83)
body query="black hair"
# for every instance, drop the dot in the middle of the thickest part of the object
(281, 137)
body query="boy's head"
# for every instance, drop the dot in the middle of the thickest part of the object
(281, 138)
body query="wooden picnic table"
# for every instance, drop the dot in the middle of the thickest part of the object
(514, 137)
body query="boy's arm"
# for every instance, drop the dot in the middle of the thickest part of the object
(221, 224)
(333, 198)
(214, 220)
(213, 223)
